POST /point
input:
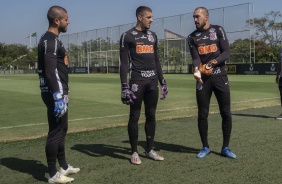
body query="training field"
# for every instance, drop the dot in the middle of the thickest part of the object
(103, 154)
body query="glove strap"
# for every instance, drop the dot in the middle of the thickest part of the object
(57, 95)
(163, 82)
(124, 86)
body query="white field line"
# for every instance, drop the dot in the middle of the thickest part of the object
(121, 115)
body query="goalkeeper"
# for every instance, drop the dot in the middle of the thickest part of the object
(209, 49)
(53, 76)
(139, 47)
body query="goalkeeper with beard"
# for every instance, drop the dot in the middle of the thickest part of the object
(209, 49)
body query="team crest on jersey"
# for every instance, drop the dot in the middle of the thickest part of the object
(212, 30)
(134, 32)
(134, 87)
(197, 33)
(151, 38)
(213, 36)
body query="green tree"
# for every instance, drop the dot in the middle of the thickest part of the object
(240, 51)
(175, 58)
(13, 55)
(268, 28)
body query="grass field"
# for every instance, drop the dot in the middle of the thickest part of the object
(103, 154)
(95, 102)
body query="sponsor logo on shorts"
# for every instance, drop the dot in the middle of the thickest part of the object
(149, 73)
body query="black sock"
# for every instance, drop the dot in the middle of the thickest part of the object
(133, 143)
(52, 170)
(63, 164)
(150, 143)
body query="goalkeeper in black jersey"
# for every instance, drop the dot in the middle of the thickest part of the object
(209, 49)
(53, 76)
(139, 46)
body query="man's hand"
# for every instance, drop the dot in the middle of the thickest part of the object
(60, 105)
(197, 75)
(127, 96)
(164, 90)
(206, 69)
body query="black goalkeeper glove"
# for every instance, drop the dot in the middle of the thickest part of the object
(164, 90)
(127, 96)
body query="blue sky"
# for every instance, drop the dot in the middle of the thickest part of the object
(19, 18)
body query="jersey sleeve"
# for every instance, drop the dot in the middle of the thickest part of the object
(124, 57)
(223, 46)
(193, 51)
(50, 64)
(157, 60)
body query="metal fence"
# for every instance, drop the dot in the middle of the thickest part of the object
(99, 47)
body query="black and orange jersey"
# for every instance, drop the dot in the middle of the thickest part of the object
(209, 44)
(140, 48)
(52, 64)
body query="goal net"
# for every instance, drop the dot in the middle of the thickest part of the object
(103, 61)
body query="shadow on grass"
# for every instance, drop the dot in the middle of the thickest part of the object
(31, 167)
(100, 150)
(253, 115)
(168, 147)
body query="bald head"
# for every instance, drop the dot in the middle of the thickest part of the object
(203, 10)
(201, 18)
(55, 12)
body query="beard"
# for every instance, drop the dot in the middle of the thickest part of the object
(63, 29)
(201, 26)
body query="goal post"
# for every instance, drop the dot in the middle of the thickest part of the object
(103, 61)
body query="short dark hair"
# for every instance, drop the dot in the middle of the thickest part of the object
(205, 10)
(55, 12)
(140, 10)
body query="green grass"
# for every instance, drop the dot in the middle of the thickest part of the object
(95, 102)
(103, 155)
(101, 147)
